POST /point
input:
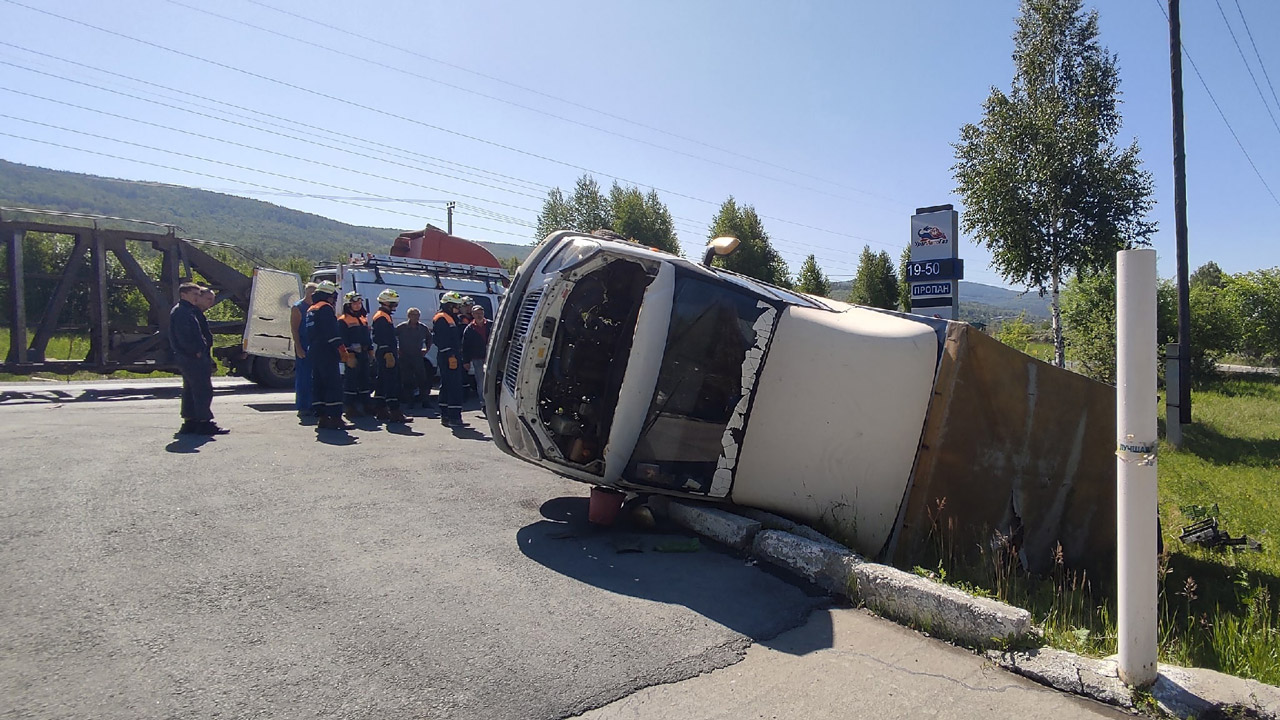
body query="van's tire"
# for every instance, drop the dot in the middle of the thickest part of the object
(275, 373)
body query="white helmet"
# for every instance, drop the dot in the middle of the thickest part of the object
(451, 298)
(389, 297)
(326, 287)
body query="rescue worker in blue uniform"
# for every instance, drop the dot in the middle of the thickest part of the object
(301, 365)
(357, 380)
(325, 348)
(385, 350)
(446, 331)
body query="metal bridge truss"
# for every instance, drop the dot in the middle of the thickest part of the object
(141, 349)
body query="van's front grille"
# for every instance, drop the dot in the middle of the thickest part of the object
(523, 320)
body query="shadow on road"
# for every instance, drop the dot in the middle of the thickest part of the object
(55, 394)
(335, 437)
(272, 407)
(402, 429)
(667, 566)
(184, 444)
(466, 432)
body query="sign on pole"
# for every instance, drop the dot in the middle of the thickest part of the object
(936, 269)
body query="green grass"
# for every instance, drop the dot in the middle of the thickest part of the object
(75, 347)
(1040, 350)
(1219, 608)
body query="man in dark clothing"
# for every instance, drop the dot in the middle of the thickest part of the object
(475, 345)
(190, 341)
(385, 351)
(356, 381)
(301, 364)
(326, 350)
(446, 330)
(415, 340)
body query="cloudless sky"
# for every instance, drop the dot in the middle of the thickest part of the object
(834, 119)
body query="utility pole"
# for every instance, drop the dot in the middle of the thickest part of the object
(1180, 218)
(449, 207)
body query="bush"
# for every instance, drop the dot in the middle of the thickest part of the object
(1255, 297)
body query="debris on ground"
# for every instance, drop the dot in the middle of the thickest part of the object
(1206, 533)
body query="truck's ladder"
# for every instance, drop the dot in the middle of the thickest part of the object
(417, 266)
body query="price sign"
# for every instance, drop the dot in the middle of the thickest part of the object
(944, 269)
(935, 266)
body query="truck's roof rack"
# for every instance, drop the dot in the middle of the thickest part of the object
(418, 266)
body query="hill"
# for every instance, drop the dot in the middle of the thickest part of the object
(271, 230)
(983, 303)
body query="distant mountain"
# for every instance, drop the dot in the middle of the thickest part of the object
(1010, 302)
(982, 303)
(272, 230)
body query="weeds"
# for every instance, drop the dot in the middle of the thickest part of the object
(1241, 639)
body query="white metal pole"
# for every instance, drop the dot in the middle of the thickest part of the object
(1136, 411)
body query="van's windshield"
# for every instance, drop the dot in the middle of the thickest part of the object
(700, 383)
(589, 358)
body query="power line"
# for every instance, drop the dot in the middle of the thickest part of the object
(251, 147)
(1245, 60)
(614, 116)
(692, 226)
(1257, 54)
(407, 119)
(208, 175)
(1215, 104)
(495, 98)
(311, 196)
(352, 140)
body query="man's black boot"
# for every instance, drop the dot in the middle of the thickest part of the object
(209, 427)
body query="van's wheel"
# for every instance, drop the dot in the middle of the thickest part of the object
(276, 373)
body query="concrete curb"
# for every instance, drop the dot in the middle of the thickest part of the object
(947, 612)
(724, 527)
(940, 609)
(1182, 692)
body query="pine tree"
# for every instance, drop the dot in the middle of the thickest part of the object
(636, 216)
(755, 256)
(812, 280)
(876, 283)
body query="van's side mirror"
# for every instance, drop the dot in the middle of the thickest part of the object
(721, 246)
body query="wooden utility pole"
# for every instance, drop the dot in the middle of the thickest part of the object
(1180, 217)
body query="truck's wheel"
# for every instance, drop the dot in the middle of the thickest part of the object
(273, 373)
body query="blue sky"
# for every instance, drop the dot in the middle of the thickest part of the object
(834, 119)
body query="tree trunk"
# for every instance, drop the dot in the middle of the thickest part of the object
(1059, 348)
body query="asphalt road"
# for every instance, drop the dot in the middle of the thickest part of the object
(281, 572)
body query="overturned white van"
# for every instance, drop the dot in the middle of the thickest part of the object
(621, 366)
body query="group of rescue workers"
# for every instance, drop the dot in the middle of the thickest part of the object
(353, 365)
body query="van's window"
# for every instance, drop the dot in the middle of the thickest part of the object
(699, 385)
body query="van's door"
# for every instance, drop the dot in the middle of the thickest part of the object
(266, 329)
